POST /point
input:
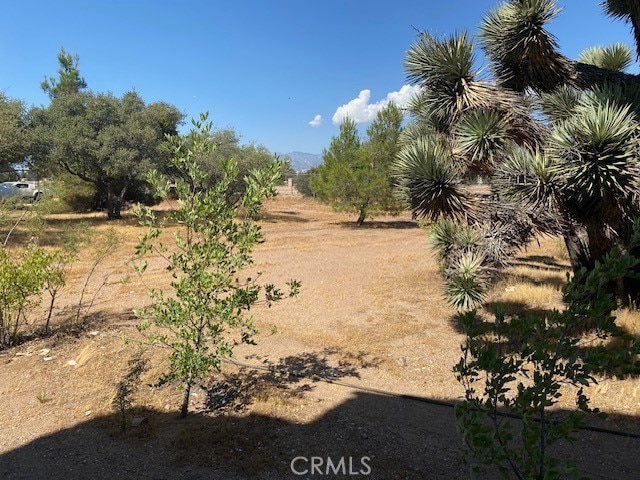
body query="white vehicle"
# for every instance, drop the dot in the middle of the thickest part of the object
(23, 189)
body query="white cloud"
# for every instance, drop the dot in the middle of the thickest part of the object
(361, 111)
(316, 122)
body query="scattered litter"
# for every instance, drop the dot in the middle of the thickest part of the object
(44, 351)
(87, 413)
(93, 333)
(72, 363)
(48, 359)
(137, 421)
(510, 289)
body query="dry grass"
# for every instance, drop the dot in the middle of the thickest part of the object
(629, 320)
(370, 312)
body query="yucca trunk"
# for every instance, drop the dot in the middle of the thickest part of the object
(577, 243)
(586, 244)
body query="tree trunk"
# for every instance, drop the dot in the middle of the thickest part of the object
(114, 202)
(363, 213)
(111, 207)
(632, 285)
(589, 243)
(51, 303)
(577, 243)
(185, 400)
(586, 244)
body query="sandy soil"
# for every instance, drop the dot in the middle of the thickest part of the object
(340, 367)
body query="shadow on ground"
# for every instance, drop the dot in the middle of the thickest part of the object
(283, 216)
(288, 378)
(553, 280)
(539, 262)
(380, 224)
(401, 438)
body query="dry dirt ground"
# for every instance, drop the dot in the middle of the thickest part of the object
(337, 369)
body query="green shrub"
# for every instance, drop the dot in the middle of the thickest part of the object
(520, 367)
(301, 183)
(206, 312)
(23, 277)
(67, 193)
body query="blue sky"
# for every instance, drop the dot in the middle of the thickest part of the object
(264, 67)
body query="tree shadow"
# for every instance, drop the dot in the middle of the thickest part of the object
(480, 322)
(289, 377)
(380, 224)
(395, 438)
(57, 226)
(621, 360)
(484, 320)
(540, 262)
(283, 216)
(552, 280)
(514, 308)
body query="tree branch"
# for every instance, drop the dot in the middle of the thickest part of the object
(81, 176)
(589, 76)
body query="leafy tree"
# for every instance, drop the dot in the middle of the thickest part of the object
(106, 141)
(68, 193)
(103, 140)
(14, 133)
(69, 80)
(554, 141)
(301, 181)
(334, 180)
(206, 313)
(227, 146)
(354, 176)
(381, 150)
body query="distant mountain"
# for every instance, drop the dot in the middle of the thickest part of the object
(301, 162)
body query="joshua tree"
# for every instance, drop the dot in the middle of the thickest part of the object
(555, 142)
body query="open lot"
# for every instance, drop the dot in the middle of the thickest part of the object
(368, 327)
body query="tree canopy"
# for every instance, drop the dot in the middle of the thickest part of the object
(69, 80)
(107, 141)
(14, 133)
(355, 175)
(104, 140)
(545, 145)
(227, 146)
